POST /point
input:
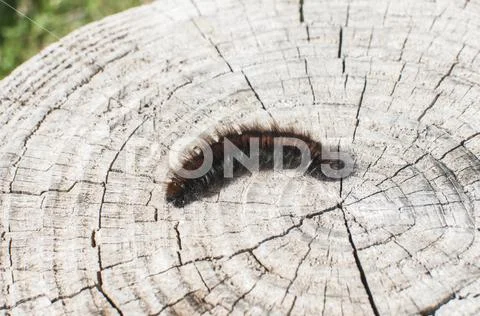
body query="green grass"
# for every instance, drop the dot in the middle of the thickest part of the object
(21, 38)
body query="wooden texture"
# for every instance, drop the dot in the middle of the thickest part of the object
(86, 128)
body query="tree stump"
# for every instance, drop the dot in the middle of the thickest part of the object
(86, 131)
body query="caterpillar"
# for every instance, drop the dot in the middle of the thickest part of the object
(231, 143)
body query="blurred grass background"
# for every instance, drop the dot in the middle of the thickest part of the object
(20, 38)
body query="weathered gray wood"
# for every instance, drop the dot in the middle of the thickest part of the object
(87, 124)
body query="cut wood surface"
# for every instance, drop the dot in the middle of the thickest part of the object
(87, 125)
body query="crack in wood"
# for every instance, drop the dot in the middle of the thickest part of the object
(312, 90)
(403, 168)
(340, 44)
(201, 278)
(179, 242)
(449, 73)
(300, 263)
(20, 302)
(292, 306)
(258, 261)
(359, 106)
(70, 296)
(363, 276)
(256, 95)
(462, 144)
(173, 303)
(194, 4)
(122, 147)
(105, 295)
(431, 310)
(241, 297)
(300, 11)
(209, 40)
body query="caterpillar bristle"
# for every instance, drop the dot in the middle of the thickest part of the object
(181, 190)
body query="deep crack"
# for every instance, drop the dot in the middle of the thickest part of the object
(363, 276)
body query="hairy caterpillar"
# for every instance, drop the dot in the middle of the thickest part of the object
(182, 190)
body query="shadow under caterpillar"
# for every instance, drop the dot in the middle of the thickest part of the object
(261, 144)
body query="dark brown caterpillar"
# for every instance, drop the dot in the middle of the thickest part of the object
(182, 190)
